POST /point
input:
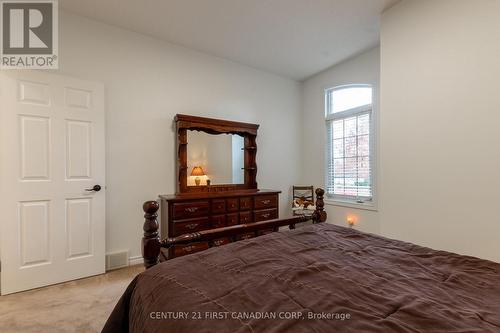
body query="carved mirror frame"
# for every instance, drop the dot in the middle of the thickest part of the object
(184, 123)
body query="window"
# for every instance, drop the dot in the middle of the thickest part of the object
(349, 137)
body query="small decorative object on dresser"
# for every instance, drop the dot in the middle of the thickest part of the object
(303, 200)
(197, 172)
(214, 205)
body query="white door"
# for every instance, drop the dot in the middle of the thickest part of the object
(51, 152)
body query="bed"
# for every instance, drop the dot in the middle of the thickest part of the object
(317, 278)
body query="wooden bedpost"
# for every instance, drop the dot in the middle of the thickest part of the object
(151, 239)
(319, 214)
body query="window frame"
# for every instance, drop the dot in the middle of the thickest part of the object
(347, 200)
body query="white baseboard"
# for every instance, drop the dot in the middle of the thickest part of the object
(120, 259)
(137, 260)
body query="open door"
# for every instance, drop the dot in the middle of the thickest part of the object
(52, 179)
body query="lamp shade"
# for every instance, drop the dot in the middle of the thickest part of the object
(197, 171)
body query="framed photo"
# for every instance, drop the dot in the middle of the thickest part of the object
(303, 200)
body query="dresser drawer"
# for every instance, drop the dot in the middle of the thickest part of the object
(232, 219)
(245, 217)
(266, 201)
(217, 221)
(182, 250)
(218, 206)
(266, 214)
(188, 226)
(221, 241)
(245, 236)
(245, 203)
(195, 212)
(232, 205)
(186, 210)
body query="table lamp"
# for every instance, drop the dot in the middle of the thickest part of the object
(197, 171)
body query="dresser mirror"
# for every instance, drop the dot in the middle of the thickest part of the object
(214, 159)
(215, 155)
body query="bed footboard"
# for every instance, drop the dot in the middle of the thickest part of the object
(151, 243)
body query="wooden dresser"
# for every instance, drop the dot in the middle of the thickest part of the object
(186, 213)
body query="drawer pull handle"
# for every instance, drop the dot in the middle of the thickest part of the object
(191, 209)
(218, 242)
(266, 202)
(188, 248)
(266, 215)
(191, 226)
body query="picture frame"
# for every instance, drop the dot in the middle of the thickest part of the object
(303, 200)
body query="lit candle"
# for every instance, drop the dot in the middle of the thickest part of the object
(351, 220)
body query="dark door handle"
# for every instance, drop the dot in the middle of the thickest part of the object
(96, 188)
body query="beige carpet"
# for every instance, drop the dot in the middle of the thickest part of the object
(76, 306)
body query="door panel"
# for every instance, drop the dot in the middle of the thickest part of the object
(78, 98)
(79, 227)
(34, 93)
(52, 150)
(35, 242)
(35, 145)
(78, 149)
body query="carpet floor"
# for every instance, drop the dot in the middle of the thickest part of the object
(80, 306)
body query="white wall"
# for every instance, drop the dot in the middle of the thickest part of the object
(147, 82)
(361, 69)
(439, 135)
(438, 130)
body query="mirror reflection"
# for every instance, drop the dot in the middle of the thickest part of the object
(217, 158)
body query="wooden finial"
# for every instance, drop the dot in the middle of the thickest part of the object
(151, 207)
(151, 239)
(319, 214)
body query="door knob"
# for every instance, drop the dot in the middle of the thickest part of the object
(95, 188)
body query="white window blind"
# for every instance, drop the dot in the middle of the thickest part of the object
(349, 142)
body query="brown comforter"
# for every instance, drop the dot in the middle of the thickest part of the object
(320, 278)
